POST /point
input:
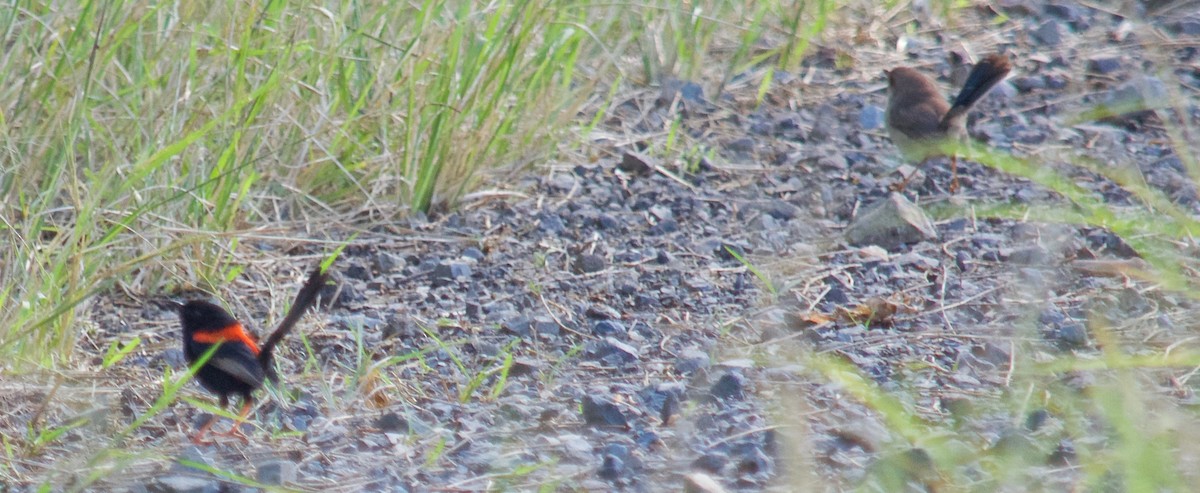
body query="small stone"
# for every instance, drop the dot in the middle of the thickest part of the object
(891, 223)
(607, 221)
(276, 472)
(357, 271)
(448, 272)
(550, 223)
(523, 366)
(712, 462)
(670, 408)
(1016, 7)
(1036, 419)
(1186, 27)
(1103, 65)
(690, 360)
(602, 312)
(699, 482)
(778, 209)
(1063, 455)
(611, 468)
(519, 326)
(1030, 83)
(1071, 336)
(391, 422)
(743, 145)
(606, 328)
(635, 163)
(589, 263)
(1049, 33)
(684, 90)
(473, 253)
(616, 353)
(826, 121)
(1032, 255)
(386, 262)
(871, 117)
(1065, 11)
(598, 411)
(730, 386)
(664, 227)
(183, 484)
(546, 326)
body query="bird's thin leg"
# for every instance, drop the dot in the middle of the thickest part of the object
(236, 431)
(198, 438)
(954, 173)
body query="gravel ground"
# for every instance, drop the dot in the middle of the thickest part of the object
(600, 324)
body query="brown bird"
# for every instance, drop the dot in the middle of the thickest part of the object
(239, 365)
(920, 120)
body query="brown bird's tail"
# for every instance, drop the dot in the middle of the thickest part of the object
(985, 75)
(304, 299)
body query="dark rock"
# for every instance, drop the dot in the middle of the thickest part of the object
(1185, 27)
(449, 272)
(1103, 65)
(519, 326)
(346, 294)
(589, 263)
(546, 326)
(1029, 83)
(358, 271)
(890, 224)
(523, 366)
(729, 251)
(276, 472)
(711, 462)
(611, 468)
(731, 386)
(664, 227)
(1022, 8)
(690, 360)
(1071, 336)
(1063, 455)
(385, 262)
(778, 209)
(606, 328)
(598, 411)
(698, 482)
(825, 124)
(670, 407)
(473, 253)
(390, 422)
(752, 461)
(614, 352)
(871, 117)
(551, 223)
(1031, 255)
(635, 163)
(607, 221)
(1049, 33)
(183, 484)
(1036, 419)
(602, 312)
(685, 90)
(743, 145)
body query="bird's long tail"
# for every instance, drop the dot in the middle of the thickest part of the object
(985, 75)
(304, 299)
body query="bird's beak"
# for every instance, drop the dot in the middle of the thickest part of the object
(169, 304)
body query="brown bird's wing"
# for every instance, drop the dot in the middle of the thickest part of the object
(918, 120)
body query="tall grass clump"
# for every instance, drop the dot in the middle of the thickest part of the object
(142, 141)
